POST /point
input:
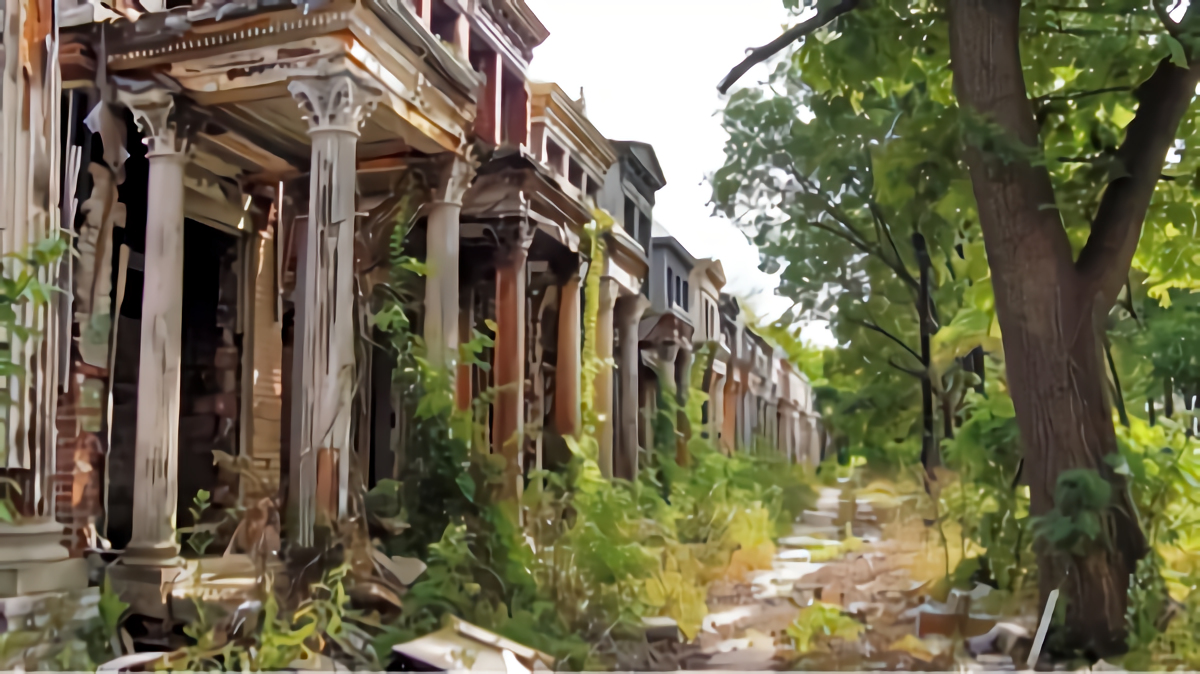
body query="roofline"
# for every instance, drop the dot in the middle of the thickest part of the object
(671, 241)
(655, 171)
(714, 269)
(561, 104)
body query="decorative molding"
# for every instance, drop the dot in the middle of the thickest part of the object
(312, 21)
(513, 238)
(339, 102)
(454, 175)
(166, 120)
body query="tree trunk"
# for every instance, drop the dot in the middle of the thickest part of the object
(930, 456)
(977, 366)
(1047, 302)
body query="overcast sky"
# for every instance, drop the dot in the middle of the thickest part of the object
(649, 70)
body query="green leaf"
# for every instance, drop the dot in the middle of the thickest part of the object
(111, 607)
(1178, 55)
(467, 484)
(1122, 116)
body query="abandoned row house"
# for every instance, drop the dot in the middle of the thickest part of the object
(215, 164)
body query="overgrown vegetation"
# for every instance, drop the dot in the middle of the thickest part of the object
(23, 289)
(604, 553)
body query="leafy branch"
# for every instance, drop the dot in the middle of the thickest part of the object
(826, 12)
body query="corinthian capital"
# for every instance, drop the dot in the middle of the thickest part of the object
(340, 102)
(454, 174)
(166, 120)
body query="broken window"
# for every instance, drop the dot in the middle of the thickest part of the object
(645, 230)
(575, 174)
(555, 156)
(441, 20)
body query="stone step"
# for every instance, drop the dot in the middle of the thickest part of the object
(819, 518)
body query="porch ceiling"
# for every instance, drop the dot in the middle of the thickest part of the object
(240, 69)
(279, 120)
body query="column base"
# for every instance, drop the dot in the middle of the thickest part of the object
(24, 578)
(32, 541)
(162, 555)
(33, 560)
(145, 588)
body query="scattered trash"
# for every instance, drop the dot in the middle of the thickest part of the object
(461, 646)
(1043, 628)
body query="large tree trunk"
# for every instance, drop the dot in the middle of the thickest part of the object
(1047, 302)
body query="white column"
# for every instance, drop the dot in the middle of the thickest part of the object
(441, 260)
(155, 480)
(323, 365)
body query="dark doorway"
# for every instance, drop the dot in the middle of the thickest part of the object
(207, 405)
(205, 401)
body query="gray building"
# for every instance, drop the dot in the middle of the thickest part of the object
(629, 187)
(670, 284)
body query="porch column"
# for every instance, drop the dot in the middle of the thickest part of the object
(683, 374)
(570, 351)
(664, 356)
(323, 361)
(716, 407)
(155, 480)
(508, 412)
(629, 312)
(604, 378)
(729, 411)
(441, 260)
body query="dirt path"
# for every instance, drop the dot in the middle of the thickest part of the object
(882, 575)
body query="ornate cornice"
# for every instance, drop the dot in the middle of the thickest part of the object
(192, 42)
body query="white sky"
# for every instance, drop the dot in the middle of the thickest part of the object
(649, 71)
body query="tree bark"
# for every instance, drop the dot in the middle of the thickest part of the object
(1047, 303)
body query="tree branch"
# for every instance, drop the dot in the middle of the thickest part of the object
(1021, 232)
(922, 376)
(853, 235)
(872, 326)
(852, 240)
(1163, 12)
(1163, 99)
(826, 11)
(1079, 94)
(899, 268)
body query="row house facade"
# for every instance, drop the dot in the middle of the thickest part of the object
(230, 172)
(766, 399)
